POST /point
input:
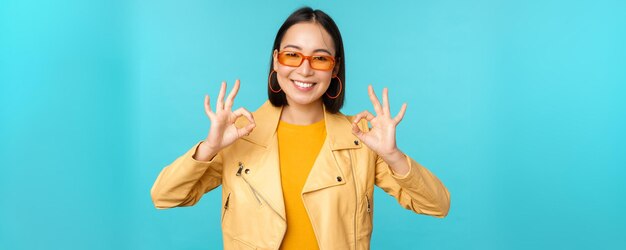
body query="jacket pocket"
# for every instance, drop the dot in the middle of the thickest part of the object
(242, 245)
(226, 204)
(369, 205)
(365, 227)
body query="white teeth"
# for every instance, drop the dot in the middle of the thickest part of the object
(303, 84)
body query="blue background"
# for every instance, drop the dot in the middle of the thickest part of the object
(519, 107)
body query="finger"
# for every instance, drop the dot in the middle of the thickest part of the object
(365, 114)
(357, 131)
(220, 98)
(374, 100)
(400, 114)
(386, 101)
(248, 128)
(245, 130)
(244, 112)
(231, 97)
(207, 106)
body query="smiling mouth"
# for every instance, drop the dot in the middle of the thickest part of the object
(303, 85)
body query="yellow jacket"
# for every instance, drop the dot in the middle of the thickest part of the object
(337, 194)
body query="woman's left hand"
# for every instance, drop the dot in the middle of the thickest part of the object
(382, 136)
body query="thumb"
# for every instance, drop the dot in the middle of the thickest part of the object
(357, 131)
(246, 130)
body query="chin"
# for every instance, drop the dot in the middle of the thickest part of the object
(303, 100)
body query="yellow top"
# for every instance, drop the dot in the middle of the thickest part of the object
(298, 147)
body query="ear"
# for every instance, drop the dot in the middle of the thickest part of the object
(275, 60)
(336, 68)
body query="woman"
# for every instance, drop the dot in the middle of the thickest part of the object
(296, 173)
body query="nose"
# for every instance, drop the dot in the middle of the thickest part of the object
(305, 68)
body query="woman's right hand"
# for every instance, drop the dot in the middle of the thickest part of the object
(223, 131)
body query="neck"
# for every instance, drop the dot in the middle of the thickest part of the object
(303, 114)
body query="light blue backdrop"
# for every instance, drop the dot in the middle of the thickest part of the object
(519, 107)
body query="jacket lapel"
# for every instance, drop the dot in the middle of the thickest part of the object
(326, 171)
(266, 118)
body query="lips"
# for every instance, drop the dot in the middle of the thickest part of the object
(303, 85)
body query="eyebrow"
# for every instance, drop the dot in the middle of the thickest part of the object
(298, 48)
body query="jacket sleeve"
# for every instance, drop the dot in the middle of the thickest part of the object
(418, 190)
(183, 182)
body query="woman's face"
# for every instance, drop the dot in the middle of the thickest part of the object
(303, 85)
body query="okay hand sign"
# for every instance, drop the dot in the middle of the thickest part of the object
(223, 131)
(382, 136)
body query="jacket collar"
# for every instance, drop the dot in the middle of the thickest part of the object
(338, 127)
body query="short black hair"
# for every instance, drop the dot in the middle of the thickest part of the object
(307, 14)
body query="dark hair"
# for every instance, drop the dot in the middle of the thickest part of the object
(306, 14)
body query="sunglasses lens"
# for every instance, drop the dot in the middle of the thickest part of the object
(291, 59)
(321, 63)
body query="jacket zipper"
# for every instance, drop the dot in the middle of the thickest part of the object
(356, 199)
(369, 207)
(227, 200)
(254, 192)
(225, 207)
